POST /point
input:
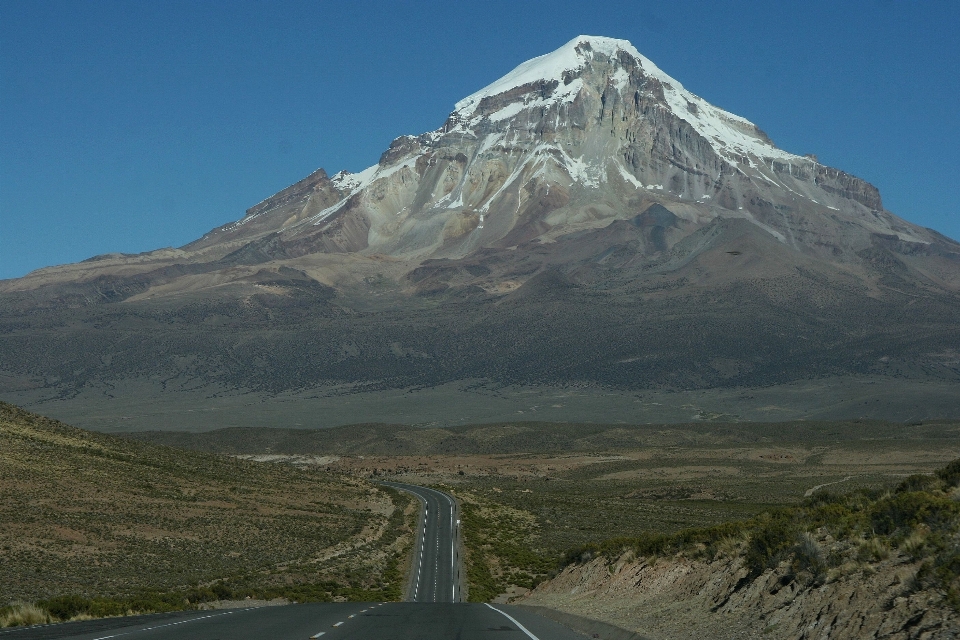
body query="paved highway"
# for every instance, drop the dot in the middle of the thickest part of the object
(434, 609)
(339, 621)
(436, 575)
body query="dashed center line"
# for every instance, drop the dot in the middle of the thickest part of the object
(172, 624)
(434, 527)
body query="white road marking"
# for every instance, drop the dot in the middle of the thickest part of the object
(453, 580)
(317, 635)
(423, 535)
(338, 624)
(436, 562)
(513, 620)
(429, 498)
(352, 615)
(173, 624)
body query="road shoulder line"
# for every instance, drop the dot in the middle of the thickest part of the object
(513, 620)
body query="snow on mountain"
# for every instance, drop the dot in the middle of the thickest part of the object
(565, 142)
(734, 136)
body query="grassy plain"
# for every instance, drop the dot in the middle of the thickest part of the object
(95, 524)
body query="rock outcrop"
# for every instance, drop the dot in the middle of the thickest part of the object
(680, 598)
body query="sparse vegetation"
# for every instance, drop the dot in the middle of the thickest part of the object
(736, 499)
(758, 332)
(94, 525)
(803, 438)
(920, 519)
(502, 551)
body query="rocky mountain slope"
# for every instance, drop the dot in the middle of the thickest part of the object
(570, 141)
(584, 219)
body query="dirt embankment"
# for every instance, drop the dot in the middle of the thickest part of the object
(680, 597)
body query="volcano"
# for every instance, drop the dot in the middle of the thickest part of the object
(584, 221)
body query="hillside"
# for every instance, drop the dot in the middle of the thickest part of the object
(131, 525)
(867, 564)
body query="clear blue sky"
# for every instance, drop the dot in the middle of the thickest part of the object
(129, 126)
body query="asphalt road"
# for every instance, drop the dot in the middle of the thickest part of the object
(434, 610)
(329, 621)
(436, 571)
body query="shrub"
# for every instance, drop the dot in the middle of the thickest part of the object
(908, 510)
(769, 543)
(941, 572)
(919, 482)
(808, 557)
(824, 498)
(653, 544)
(950, 474)
(66, 607)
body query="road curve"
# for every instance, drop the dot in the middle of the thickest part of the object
(436, 574)
(434, 609)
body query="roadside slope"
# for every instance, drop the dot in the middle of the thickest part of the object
(861, 565)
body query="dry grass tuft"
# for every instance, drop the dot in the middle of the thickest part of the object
(731, 546)
(915, 544)
(873, 549)
(81, 616)
(21, 614)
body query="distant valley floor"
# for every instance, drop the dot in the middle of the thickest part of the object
(152, 404)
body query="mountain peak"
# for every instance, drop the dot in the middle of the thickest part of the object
(559, 66)
(570, 58)
(557, 77)
(570, 141)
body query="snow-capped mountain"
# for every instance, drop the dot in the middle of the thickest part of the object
(584, 219)
(572, 140)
